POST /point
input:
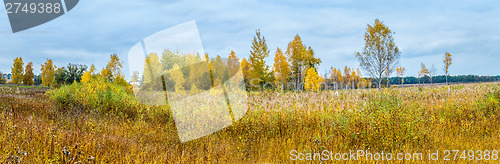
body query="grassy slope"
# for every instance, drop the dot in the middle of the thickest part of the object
(395, 120)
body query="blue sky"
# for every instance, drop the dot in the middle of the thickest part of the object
(424, 31)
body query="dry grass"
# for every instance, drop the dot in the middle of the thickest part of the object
(35, 130)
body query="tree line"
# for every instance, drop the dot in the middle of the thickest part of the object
(443, 79)
(294, 68)
(179, 71)
(52, 76)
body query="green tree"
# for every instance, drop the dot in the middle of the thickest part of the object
(17, 70)
(28, 74)
(48, 70)
(60, 76)
(380, 53)
(69, 74)
(258, 67)
(169, 58)
(75, 72)
(310, 60)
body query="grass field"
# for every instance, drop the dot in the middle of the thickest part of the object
(22, 86)
(35, 129)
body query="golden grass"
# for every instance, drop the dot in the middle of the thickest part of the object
(417, 119)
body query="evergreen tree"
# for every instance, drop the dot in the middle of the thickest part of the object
(258, 68)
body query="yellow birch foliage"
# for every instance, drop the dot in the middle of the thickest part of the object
(17, 70)
(245, 68)
(28, 74)
(423, 70)
(87, 76)
(233, 63)
(401, 71)
(152, 69)
(447, 62)
(281, 67)
(48, 70)
(313, 80)
(178, 78)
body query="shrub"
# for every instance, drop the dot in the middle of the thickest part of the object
(96, 95)
(492, 104)
(120, 81)
(384, 123)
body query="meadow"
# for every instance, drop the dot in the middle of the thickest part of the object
(97, 123)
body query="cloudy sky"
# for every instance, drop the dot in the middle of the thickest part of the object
(424, 30)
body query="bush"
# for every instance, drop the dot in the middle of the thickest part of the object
(492, 104)
(384, 123)
(97, 95)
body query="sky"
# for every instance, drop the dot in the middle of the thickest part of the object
(423, 30)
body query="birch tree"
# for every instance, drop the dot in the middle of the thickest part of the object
(380, 53)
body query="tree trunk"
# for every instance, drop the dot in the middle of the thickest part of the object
(446, 79)
(379, 83)
(387, 85)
